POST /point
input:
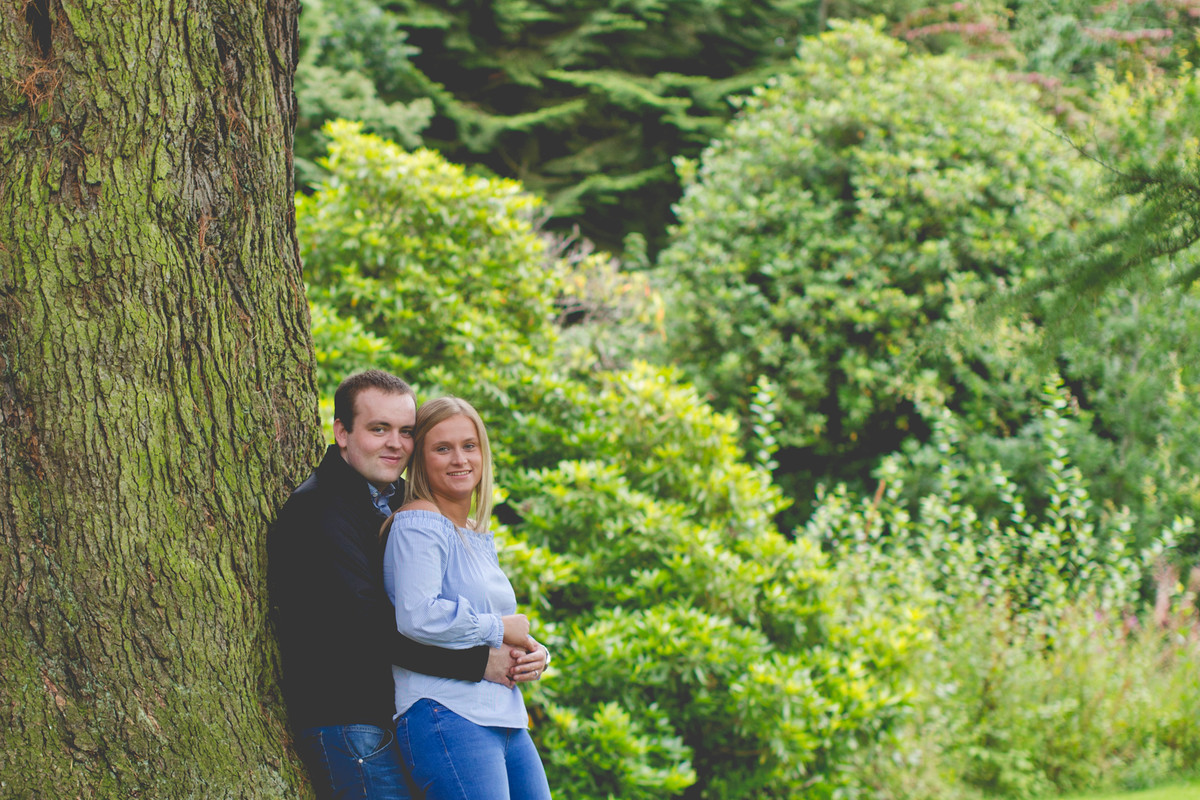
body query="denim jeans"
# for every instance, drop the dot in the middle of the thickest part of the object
(452, 758)
(353, 762)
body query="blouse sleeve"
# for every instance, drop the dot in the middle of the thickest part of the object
(416, 559)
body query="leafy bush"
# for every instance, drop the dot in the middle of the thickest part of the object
(1038, 676)
(678, 598)
(697, 651)
(416, 250)
(1118, 320)
(1035, 562)
(830, 236)
(1071, 39)
(354, 64)
(1131, 366)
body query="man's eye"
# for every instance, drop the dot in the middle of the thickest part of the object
(406, 433)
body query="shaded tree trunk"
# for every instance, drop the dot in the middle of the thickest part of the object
(157, 395)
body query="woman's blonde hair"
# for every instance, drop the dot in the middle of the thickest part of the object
(430, 414)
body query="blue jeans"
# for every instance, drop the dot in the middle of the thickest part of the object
(353, 762)
(452, 758)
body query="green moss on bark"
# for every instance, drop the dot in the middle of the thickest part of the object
(157, 399)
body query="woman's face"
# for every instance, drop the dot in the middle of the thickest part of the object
(453, 457)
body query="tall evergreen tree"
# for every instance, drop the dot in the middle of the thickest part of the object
(585, 102)
(1164, 223)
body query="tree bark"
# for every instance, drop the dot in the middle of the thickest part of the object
(157, 394)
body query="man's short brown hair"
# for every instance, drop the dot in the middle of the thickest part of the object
(346, 396)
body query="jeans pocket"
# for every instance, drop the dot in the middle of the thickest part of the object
(366, 741)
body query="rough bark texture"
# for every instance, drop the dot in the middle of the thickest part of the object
(157, 396)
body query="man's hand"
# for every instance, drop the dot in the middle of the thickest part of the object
(501, 661)
(530, 663)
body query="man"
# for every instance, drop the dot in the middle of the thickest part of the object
(336, 627)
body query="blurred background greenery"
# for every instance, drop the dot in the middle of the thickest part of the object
(840, 359)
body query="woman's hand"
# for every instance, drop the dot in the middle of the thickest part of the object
(531, 664)
(516, 630)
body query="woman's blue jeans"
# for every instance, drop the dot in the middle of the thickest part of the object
(452, 758)
(353, 762)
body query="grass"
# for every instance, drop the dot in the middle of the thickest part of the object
(1179, 791)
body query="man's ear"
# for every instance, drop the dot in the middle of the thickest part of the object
(340, 434)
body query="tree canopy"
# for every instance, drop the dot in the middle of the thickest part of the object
(585, 102)
(834, 233)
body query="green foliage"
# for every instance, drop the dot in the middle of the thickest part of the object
(1072, 39)
(1117, 311)
(1144, 131)
(447, 268)
(612, 754)
(832, 234)
(607, 314)
(697, 651)
(1134, 429)
(1036, 561)
(586, 102)
(977, 29)
(1138, 359)
(1061, 46)
(1004, 714)
(681, 599)
(343, 345)
(1037, 678)
(354, 64)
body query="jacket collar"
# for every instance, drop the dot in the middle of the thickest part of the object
(347, 482)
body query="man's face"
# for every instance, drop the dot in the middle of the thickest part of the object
(379, 445)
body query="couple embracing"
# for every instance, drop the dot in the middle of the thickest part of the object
(402, 649)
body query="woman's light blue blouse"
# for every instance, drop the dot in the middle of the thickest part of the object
(449, 591)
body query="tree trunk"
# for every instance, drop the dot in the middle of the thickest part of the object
(157, 394)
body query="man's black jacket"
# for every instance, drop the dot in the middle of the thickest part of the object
(336, 626)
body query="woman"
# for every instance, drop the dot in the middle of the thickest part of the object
(461, 740)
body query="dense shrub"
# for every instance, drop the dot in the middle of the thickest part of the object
(698, 652)
(832, 234)
(1135, 431)
(1117, 316)
(1042, 673)
(938, 640)
(680, 599)
(354, 64)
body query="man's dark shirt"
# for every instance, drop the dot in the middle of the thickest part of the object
(335, 624)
